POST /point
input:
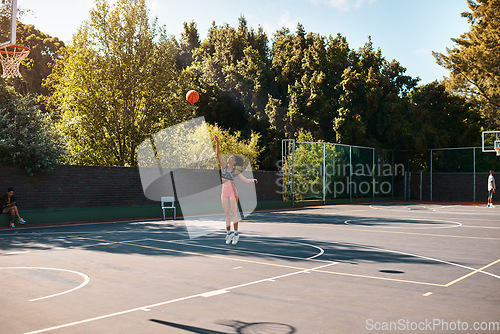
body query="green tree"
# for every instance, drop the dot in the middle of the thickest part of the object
(231, 65)
(117, 85)
(190, 41)
(474, 62)
(441, 119)
(233, 143)
(308, 167)
(45, 51)
(28, 137)
(314, 99)
(374, 108)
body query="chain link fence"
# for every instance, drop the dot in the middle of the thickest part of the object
(332, 173)
(452, 175)
(336, 173)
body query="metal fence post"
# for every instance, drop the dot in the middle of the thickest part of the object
(421, 186)
(431, 175)
(474, 161)
(405, 188)
(350, 174)
(373, 176)
(293, 172)
(392, 177)
(324, 173)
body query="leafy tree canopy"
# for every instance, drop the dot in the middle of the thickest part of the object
(116, 85)
(122, 78)
(28, 137)
(474, 61)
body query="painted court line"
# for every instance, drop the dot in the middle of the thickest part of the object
(16, 253)
(107, 243)
(204, 255)
(405, 220)
(328, 272)
(37, 251)
(86, 280)
(277, 265)
(438, 260)
(148, 307)
(435, 210)
(214, 293)
(69, 248)
(312, 258)
(472, 273)
(396, 232)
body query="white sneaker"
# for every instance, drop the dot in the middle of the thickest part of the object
(492, 206)
(236, 238)
(229, 237)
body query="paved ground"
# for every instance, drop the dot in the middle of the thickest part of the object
(335, 269)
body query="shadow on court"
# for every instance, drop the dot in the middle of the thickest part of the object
(305, 217)
(238, 327)
(171, 240)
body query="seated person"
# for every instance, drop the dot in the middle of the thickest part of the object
(9, 206)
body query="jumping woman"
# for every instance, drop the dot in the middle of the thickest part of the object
(229, 195)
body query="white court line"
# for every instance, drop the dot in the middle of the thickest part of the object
(107, 243)
(71, 247)
(428, 258)
(148, 307)
(432, 211)
(385, 220)
(435, 260)
(86, 280)
(312, 258)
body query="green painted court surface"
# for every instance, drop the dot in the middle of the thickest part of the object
(379, 268)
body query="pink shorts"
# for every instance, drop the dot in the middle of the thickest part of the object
(228, 191)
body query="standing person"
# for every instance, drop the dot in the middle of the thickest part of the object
(491, 189)
(9, 206)
(229, 195)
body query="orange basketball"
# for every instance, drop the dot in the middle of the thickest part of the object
(192, 96)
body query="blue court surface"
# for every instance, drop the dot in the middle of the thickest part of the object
(365, 268)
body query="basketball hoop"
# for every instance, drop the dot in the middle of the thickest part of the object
(497, 147)
(11, 56)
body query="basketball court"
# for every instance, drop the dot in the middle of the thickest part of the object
(379, 267)
(328, 269)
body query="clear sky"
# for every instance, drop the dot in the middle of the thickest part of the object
(405, 30)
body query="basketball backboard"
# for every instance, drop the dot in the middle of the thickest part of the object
(490, 141)
(13, 24)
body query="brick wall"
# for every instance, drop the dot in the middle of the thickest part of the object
(95, 186)
(71, 187)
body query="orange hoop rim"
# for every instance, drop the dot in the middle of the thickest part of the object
(24, 49)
